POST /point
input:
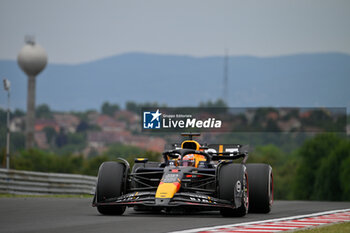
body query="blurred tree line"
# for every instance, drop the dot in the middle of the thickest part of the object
(324, 169)
(17, 138)
(318, 170)
(43, 161)
(305, 168)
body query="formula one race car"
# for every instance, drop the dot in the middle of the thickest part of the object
(191, 177)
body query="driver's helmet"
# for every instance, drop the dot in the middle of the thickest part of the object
(191, 159)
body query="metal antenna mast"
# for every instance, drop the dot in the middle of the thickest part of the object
(226, 77)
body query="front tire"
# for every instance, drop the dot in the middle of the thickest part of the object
(233, 186)
(261, 187)
(109, 185)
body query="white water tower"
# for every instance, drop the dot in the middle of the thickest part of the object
(32, 59)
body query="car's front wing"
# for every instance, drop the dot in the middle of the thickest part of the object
(179, 199)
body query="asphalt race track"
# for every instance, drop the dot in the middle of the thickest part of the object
(76, 215)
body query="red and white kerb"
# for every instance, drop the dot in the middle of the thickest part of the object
(279, 225)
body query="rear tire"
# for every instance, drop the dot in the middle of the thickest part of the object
(109, 185)
(261, 187)
(230, 175)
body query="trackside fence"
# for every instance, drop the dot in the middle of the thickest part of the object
(41, 183)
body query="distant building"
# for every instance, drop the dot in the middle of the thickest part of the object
(102, 139)
(148, 143)
(41, 140)
(249, 115)
(305, 115)
(108, 124)
(68, 122)
(41, 124)
(92, 116)
(127, 116)
(272, 116)
(17, 124)
(290, 125)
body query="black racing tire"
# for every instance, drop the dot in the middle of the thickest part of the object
(261, 187)
(228, 177)
(110, 184)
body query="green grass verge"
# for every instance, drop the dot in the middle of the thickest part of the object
(4, 195)
(334, 228)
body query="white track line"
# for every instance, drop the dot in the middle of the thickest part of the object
(253, 230)
(270, 227)
(263, 221)
(304, 223)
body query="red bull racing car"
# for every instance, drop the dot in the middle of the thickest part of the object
(191, 177)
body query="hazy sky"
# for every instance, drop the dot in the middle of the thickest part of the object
(74, 31)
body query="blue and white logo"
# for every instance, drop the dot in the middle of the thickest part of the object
(151, 120)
